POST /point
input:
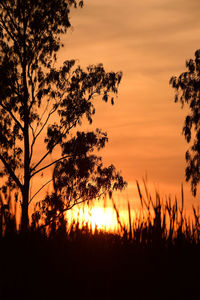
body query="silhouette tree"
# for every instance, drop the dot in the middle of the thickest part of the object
(42, 105)
(187, 87)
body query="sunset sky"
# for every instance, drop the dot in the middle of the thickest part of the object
(149, 40)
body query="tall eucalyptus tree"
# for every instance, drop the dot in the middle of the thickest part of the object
(41, 102)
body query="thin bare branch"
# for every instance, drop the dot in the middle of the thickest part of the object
(51, 164)
(40, 189)
(50, 151)
(32, 130)
(79, 202)
(40, 120)
(43, 126)
(32, 85)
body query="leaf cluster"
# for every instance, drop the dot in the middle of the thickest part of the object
(187, 87)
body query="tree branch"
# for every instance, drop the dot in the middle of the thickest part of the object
(55, 144)
(32, 85)
(40, 120)
(51, 164)
(40, 190)
(79, 202)
(41, 129)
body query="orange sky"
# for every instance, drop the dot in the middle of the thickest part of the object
(149, 40)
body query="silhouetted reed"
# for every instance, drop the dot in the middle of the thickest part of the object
(157, 222)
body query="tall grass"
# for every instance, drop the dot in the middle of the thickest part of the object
(158, 222)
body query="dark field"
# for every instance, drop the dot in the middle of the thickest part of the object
(97, 267)
(155, 257)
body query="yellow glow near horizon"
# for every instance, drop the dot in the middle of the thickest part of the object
(102, 218)
(95, 217)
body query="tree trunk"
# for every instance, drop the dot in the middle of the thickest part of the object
(25, 194)
(24, 215)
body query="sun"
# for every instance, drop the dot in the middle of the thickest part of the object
(103, 218)
(96, 217)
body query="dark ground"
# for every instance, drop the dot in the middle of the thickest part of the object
(103, 267)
